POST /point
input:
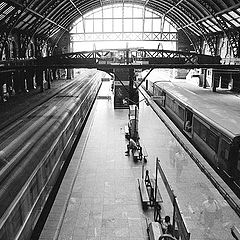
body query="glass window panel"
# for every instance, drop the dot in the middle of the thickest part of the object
(137, 12)
(117, 27)
(216, 28)
(227, 16)
(148, 25)
(212, 140)
(236, 23)
(107, 25)
(19, 24)
(214, 21)
(148, 14)
(233, 14)
(127, 25)
(2, 16)
(117, 12)
(137, 25)
(156, 25)
(171, 28)
(196, 126)
(166, 27)
(98, 14)
(205, 24)
(203, 133)
(127, 12)
(98, 25)
(107, 13)
(212, 29)
(209, 22)
(2, 5)
(228, 24)
(80, 27)
(88, 25)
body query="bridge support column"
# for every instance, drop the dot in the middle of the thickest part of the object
(70, 74)
(131, 82)
(48, 77)
(235, 82)
(133, 91)
(29, 79)
(19, 81)
(54, 73)
(204, 78)
(39, 79)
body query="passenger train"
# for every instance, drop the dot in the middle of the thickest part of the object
(33, 151)
(212, 125)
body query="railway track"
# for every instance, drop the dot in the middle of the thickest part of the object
(33, 150)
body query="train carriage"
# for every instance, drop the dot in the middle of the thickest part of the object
(33, 152)
(212, 127)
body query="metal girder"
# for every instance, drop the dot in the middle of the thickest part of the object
(233, 38)
(201, 27)
(5, 29)
(21, 6)
(141, 58)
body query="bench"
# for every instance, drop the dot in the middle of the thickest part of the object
(158, 195)
(150, 184)
(143, 193)
(155, 232)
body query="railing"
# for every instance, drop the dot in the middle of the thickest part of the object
(126, 57)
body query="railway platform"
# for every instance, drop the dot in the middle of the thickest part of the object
(99, 197)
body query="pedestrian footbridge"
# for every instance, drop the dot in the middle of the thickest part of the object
(119, 58)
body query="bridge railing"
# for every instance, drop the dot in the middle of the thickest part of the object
(113, 56)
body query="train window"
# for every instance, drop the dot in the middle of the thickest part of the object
(196, 126)
(238, 164)
(224, 150)
(181, 112)
(212, 140)
(203, 133)
(169, 102)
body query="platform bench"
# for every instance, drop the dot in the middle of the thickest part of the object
(155, 232)
(150, 184)
(143, 193)
(158, 195)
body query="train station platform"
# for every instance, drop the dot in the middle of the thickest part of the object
(99, 197)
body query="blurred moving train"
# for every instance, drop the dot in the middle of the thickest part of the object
(33, 151)
(213, 127)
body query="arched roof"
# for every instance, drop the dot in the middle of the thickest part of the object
(52, 18)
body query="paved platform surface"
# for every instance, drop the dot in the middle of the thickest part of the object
(99, 197)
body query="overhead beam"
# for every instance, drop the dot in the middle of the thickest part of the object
(226, 10)
(74, 5)
(173, 7)
(18, 5)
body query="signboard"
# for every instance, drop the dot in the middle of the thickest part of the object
(121, 96)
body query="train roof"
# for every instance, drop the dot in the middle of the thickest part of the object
(221, 107)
